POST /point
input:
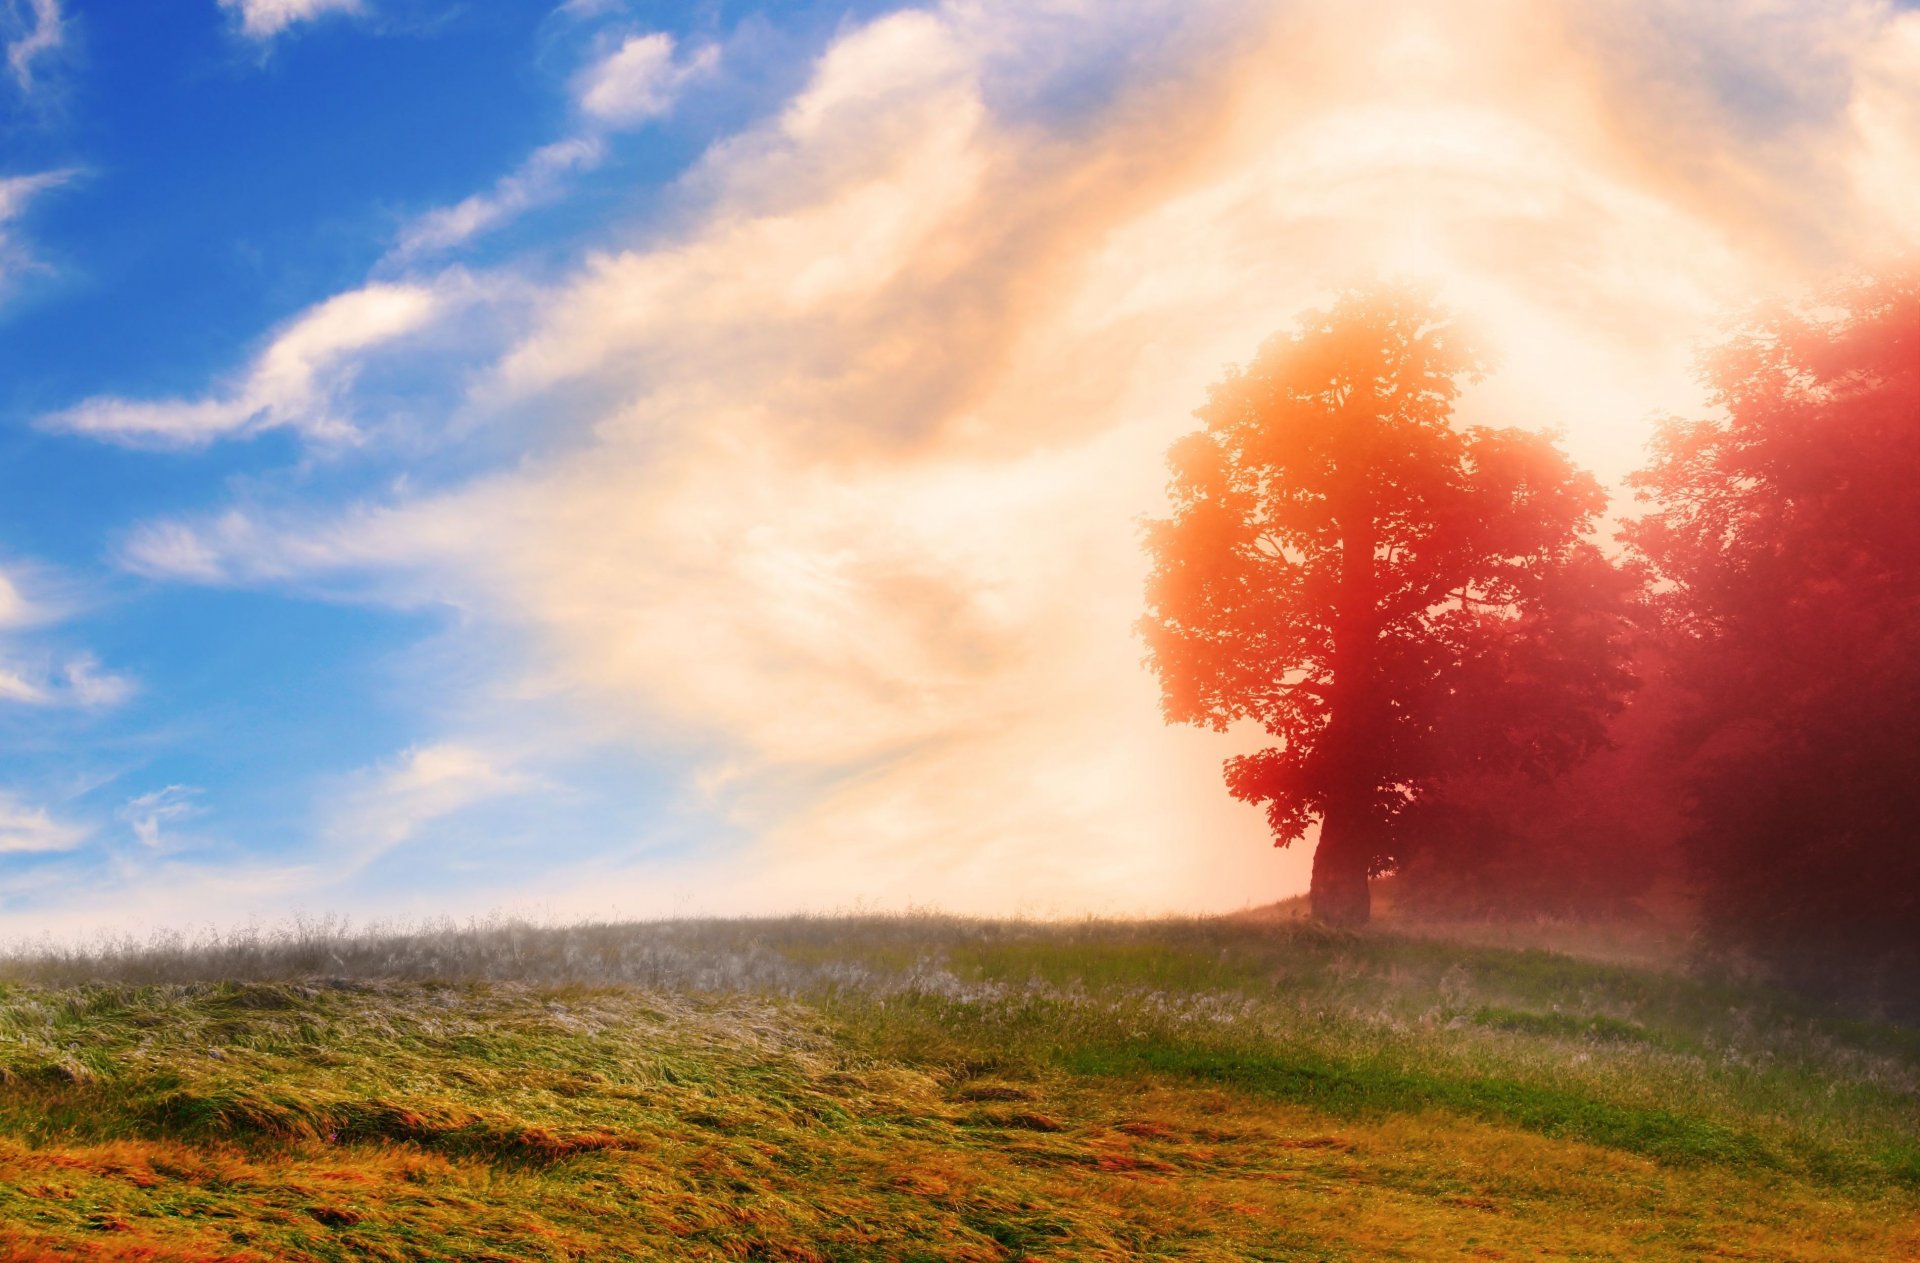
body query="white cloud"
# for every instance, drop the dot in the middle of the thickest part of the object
(894, 60)
(540, 179)
(847, 196)
(639, 80)
(27, 829)
(295, 382)
(264, 19)
(41, 33)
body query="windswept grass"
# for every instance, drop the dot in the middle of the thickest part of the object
(902, 1088)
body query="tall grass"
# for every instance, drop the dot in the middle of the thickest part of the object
(598, 1052)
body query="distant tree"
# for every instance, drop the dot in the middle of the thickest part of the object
(1395, 600)
(1787, 530)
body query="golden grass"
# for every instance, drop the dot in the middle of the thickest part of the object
(1122, 1171)
(977, 1100)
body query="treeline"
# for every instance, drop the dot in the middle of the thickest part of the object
(1469, 684)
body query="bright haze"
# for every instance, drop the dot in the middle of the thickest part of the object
(640, 459)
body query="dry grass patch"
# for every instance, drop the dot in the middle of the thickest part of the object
(1195, 1092)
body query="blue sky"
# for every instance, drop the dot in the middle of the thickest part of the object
(206, 184)
(625, 458)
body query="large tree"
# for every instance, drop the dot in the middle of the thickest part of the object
(1392, 598)
(1786, 527)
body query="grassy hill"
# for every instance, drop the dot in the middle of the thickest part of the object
(924, 1088)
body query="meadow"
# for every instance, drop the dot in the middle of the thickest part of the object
(925, 1088)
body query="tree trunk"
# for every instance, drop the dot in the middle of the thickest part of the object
(1339, 896)
(1349, 746)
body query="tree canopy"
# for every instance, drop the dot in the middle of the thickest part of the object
(1392, 598)
(1786, 532)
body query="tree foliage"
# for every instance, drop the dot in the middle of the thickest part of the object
(1599, 842)
(1787, 532)
(1394, 599)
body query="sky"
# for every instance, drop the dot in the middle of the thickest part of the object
(627, 459)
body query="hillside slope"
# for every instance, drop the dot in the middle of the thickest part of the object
(923, 1088)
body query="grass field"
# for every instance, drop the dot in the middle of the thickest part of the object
(923, 1088)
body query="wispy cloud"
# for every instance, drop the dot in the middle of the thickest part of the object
(639, 80)
(15, 687)
(30, 829)
(42, 32)
(89, 684)
(387, 806)
(540, 179)
(48, 677)
(17, 193)
(162, 881)
(583, 10)
(78, 680)
(296, 382)
(151, 815)
(264, 19)
(16, 610)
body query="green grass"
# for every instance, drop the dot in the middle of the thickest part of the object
(896, 1088)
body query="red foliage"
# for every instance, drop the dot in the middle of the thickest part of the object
(1595, 842)
(1395, 600)
(1787, 530)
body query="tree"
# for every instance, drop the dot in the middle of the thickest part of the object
(1393, 599)
(1787, 531)
(1601, 841)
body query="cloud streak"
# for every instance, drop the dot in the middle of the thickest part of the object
(77, 680)
(389, 806)
(17, 193)
(264, 19)
(542, 178)
(63, 678)
(297, 381)
(42, 34)
(639, 81)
